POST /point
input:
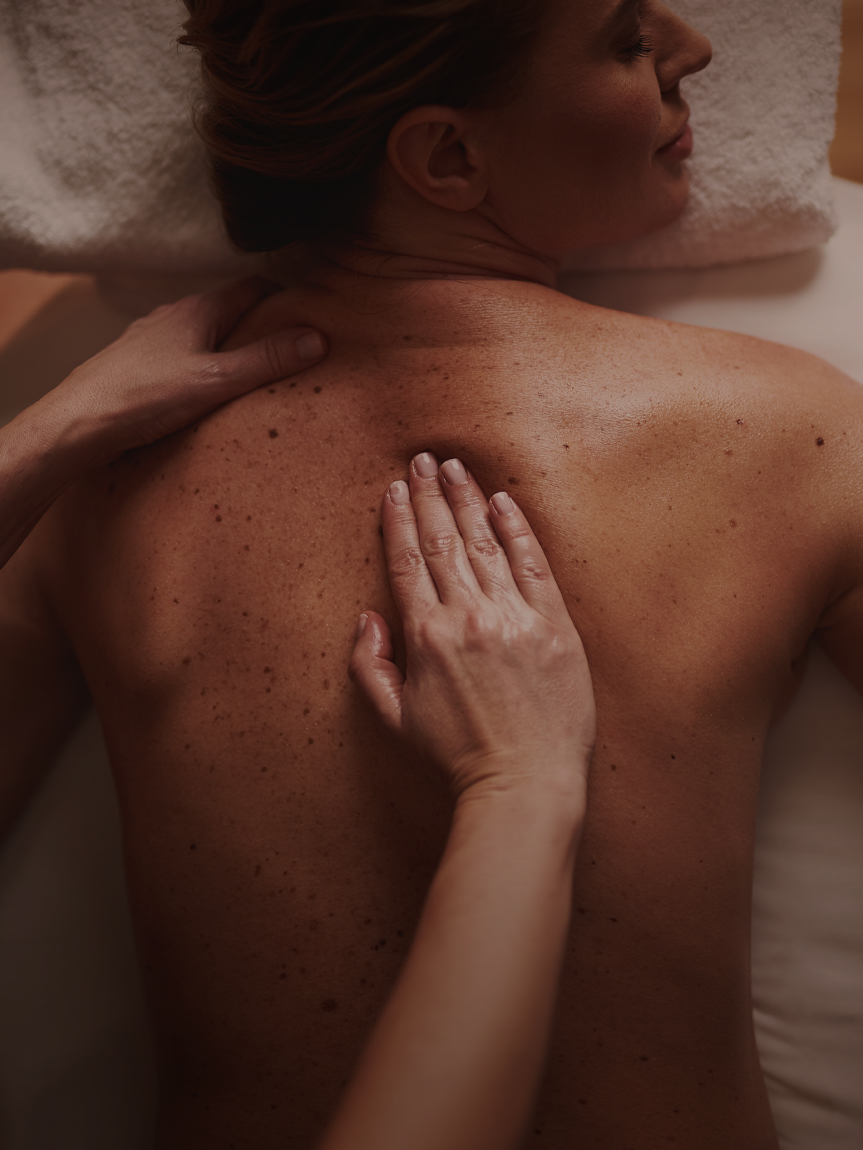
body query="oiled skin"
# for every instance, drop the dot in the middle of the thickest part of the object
(279, 844)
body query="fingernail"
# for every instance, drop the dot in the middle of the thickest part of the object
(425, 465)
(310, 345)
(399, 492)
(453, 471)
(502, 503)
(361, 624)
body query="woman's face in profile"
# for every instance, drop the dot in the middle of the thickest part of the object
(589, 150)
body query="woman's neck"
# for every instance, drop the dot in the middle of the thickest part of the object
(411, 239)
(361, 304)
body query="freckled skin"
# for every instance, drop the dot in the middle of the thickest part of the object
(279, 845)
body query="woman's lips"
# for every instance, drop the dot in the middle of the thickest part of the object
(680, 148)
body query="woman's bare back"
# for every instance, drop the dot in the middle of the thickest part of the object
(698, 497)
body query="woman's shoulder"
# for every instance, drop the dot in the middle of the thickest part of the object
(710, 361)
(497, 338)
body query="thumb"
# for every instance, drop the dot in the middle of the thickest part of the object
(275, 357)
(373, 670)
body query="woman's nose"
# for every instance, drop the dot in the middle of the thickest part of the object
(684, 50)
(700, 52)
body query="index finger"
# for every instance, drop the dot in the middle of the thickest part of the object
(530, 568)
(413, 587)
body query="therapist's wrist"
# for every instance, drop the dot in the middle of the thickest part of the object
(531, 799)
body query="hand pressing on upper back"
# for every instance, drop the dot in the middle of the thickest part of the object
(166, 370)
(498, 692)
(497, 689)
(163, 373)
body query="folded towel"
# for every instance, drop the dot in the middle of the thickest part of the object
(762, 115)
(100, 168)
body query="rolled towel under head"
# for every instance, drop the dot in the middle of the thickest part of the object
(101, 169)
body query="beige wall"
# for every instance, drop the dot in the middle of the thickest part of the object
(846, 155)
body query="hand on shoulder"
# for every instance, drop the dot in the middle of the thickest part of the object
(166, 370)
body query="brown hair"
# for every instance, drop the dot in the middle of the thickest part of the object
(300, 97)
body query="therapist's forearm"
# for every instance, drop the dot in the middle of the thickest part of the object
(44, 450)
(454, 1061)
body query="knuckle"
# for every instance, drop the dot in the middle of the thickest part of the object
(275, 359)
(430, 635)
(211, 370)
(197, 312)
(484, 548)
(531, 569)
(406, 563)
(549, 635)
(518, 530)
(440, 543)
(192, 307)
(465, 496)
(557, 648)
(481, 627)
(565, 642)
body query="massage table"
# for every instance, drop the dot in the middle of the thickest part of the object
(76, 1066)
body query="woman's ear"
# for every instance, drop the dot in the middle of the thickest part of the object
(432, 150)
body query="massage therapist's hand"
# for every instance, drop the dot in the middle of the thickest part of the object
(166, 371)
(498, 691)
(497, 688)
(163, 373)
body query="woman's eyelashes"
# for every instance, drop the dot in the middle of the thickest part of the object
(643, 46)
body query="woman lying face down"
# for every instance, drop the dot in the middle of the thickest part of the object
(698, 495)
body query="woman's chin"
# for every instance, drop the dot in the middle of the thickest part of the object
(667, 208)
(676, 196)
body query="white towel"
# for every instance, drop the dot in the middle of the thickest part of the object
(763, 115)
(100, 169)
